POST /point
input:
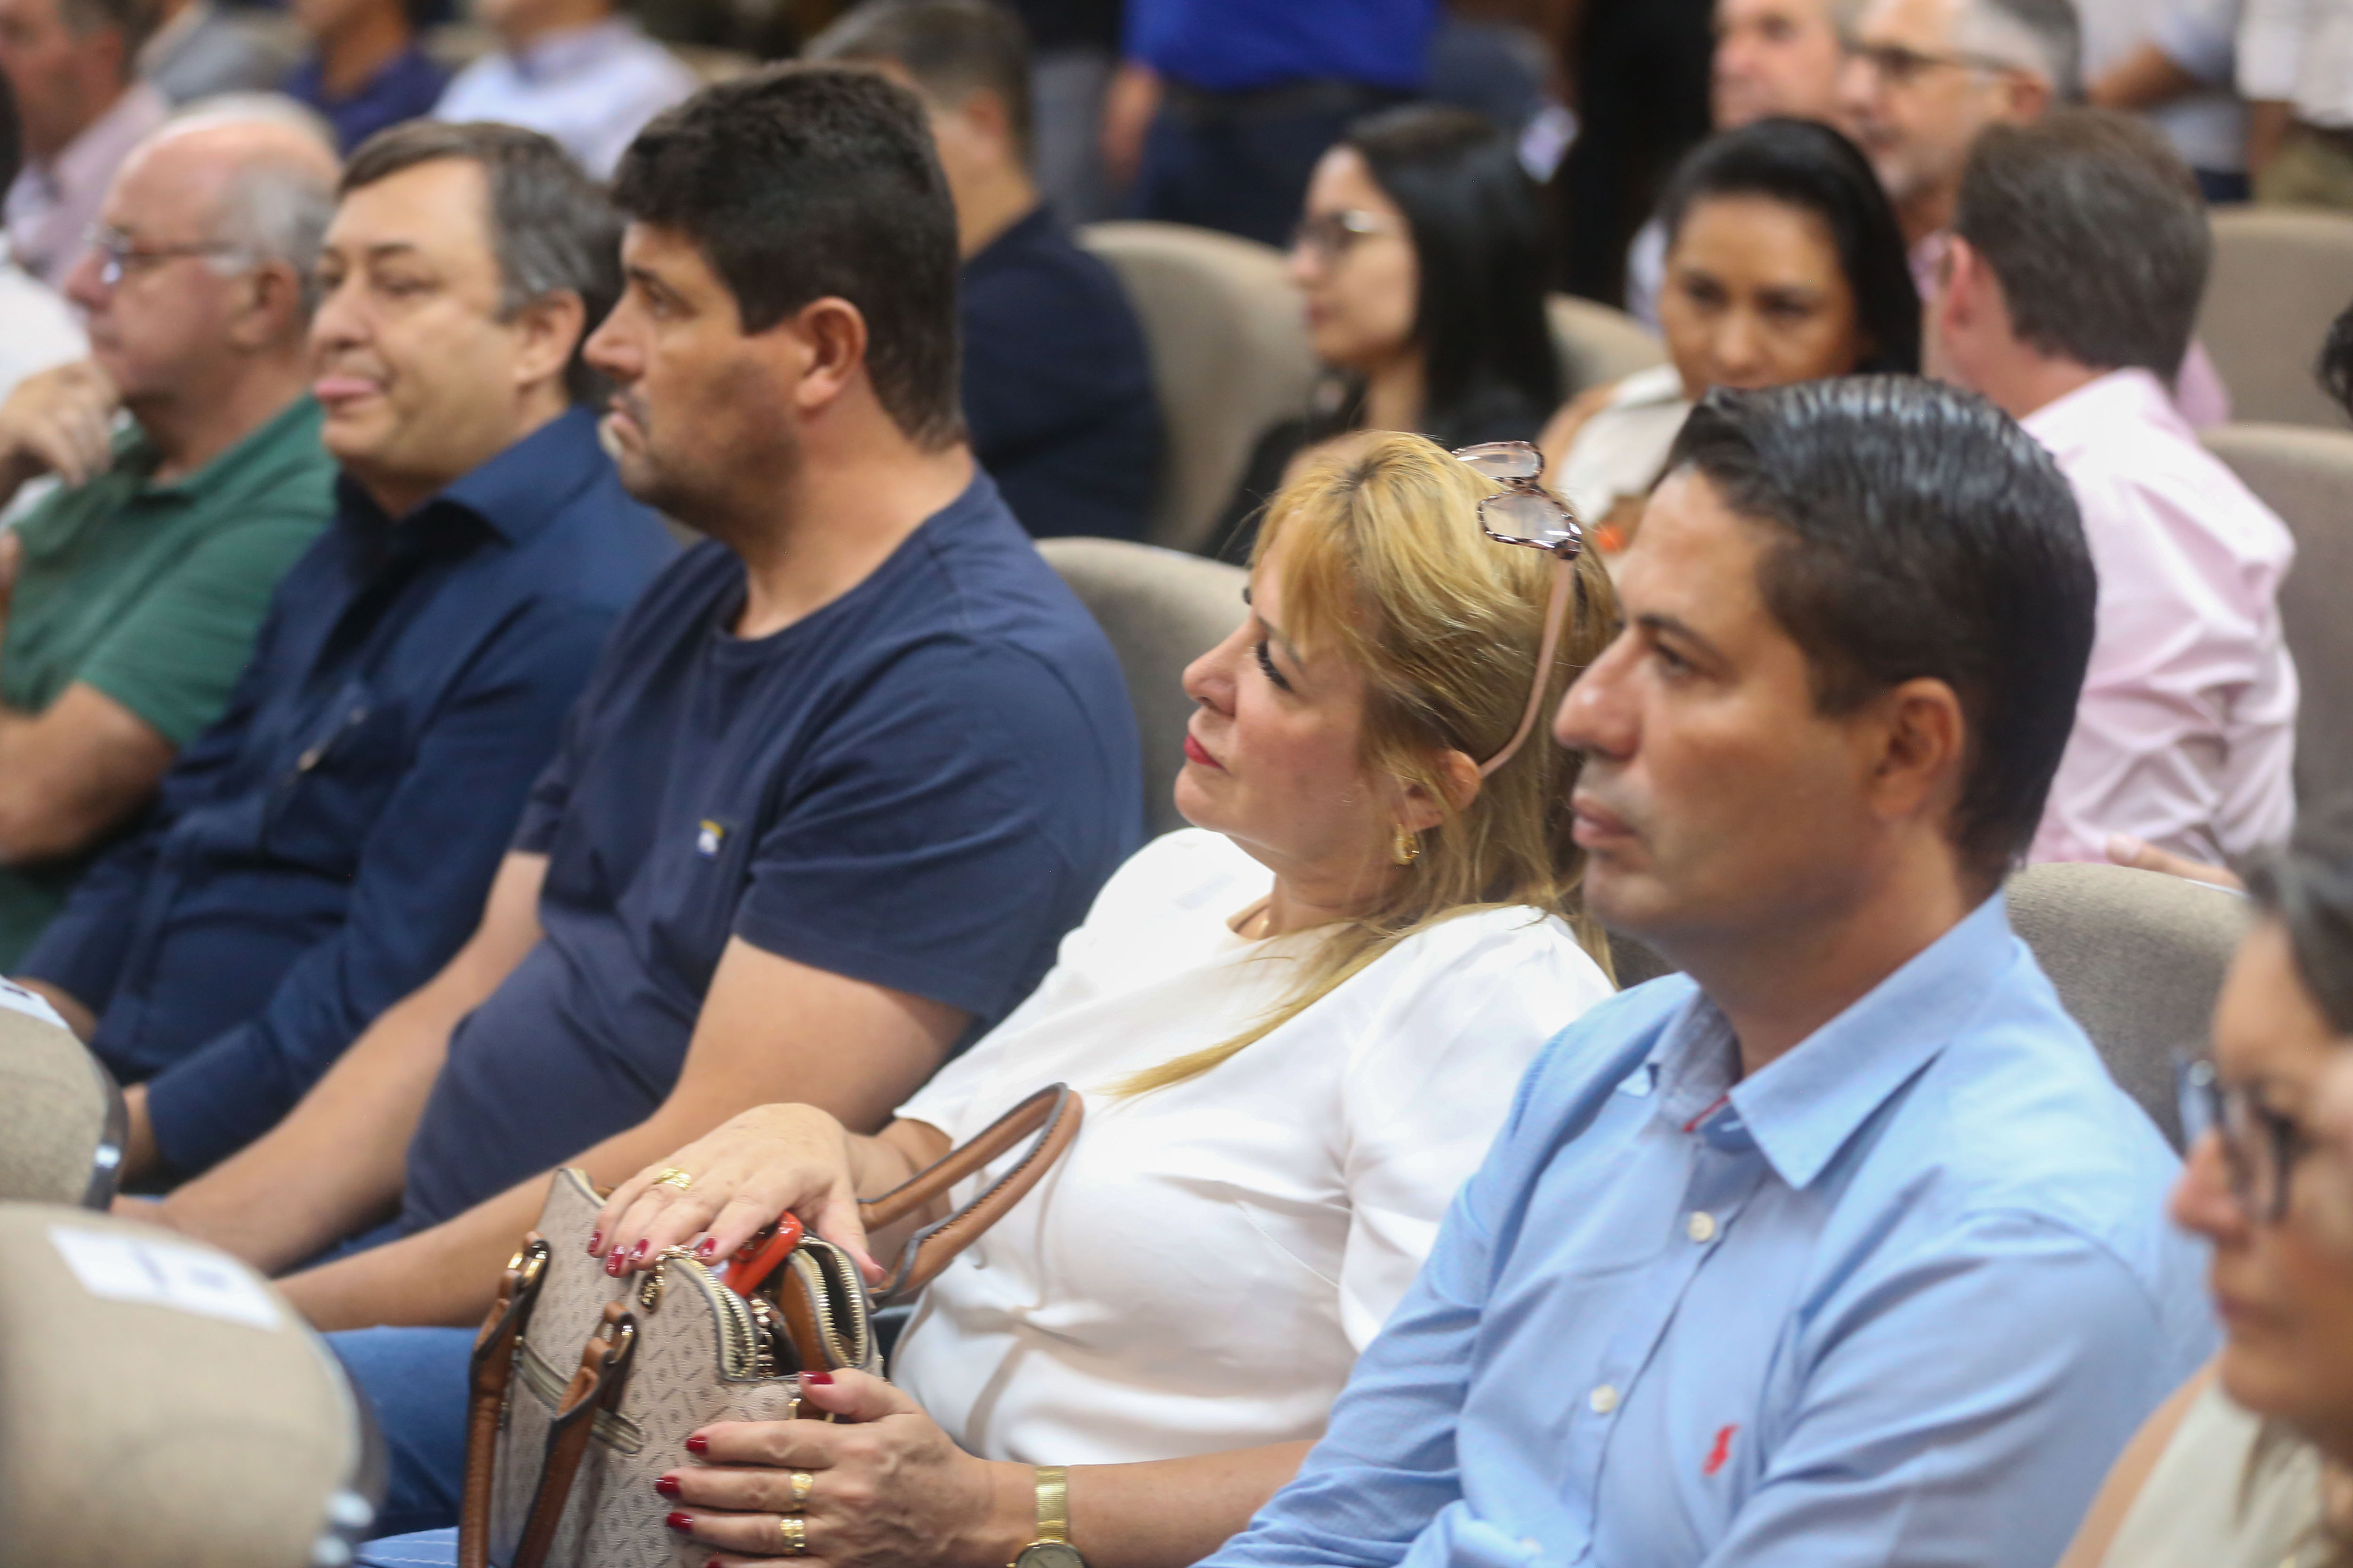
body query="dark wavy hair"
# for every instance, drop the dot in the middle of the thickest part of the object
(1811, 167)
(2307, 885)
(1922, 534)
(1489, 364)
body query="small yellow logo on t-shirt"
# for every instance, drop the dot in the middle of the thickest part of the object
(707, 838)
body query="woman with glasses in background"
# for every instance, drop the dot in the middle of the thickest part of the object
(2248, 1465)
(1784, 264)
(1420, 261)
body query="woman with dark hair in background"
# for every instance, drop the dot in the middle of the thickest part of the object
(1422, 263)
(1784, 264)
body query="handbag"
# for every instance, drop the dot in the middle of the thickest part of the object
(584, 1388)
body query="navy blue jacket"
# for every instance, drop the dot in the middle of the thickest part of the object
(327, 846)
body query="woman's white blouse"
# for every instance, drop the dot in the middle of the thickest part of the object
(1201, 1270)
(1621, 450)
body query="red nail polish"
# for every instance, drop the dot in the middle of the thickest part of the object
(617, 1263)
(707, 1248)
(667, 1485)
(682, 1522)
(595, 1242)
(698, 1443)
(637, 1253)
(817, 1377)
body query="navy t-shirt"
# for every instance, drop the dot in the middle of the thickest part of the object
(922, 785)
(1057, 385)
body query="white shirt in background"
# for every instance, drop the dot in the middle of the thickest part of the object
(591, 89)
(1201, 1270)
(1621, 450)
(2185, 735)
(2300, 52)
(37, 328)
(2208, 126)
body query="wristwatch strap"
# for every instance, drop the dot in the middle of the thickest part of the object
(1053, 1503)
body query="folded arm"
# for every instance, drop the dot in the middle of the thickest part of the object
(73, 772)
(335, 1163)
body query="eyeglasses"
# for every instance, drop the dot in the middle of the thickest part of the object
(1330, 236)
(1525, 513)
(119, 254)
(1901, 67)
(2260, 1146)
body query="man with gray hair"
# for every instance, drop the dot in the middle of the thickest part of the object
(322, 852)
(134, 589)
(73, 64)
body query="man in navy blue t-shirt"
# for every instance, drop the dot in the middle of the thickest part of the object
(841, 780)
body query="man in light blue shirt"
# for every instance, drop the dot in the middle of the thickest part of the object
(1842, 1249)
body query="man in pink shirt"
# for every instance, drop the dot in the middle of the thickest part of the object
(2078, 253)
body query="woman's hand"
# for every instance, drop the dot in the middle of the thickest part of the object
(887, 1488)
(744, 1174)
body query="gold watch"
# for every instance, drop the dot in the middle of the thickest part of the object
(1052, 1548)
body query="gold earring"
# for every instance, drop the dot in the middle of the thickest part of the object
(1405, 844)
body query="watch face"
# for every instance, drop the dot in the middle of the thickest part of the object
(1049, 1555)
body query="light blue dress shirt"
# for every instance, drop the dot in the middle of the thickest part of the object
(1898, 1298)
(591, 89)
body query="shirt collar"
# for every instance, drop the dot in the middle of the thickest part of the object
(2095, 413)
(1801, 1107)
(298, 420)
(571, 51)
(518, 492)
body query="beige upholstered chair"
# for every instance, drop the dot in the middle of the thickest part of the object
(61, 1121)
(1162, 610)
(1597, 344)
(2281, 276)
(1229, 357)
(2137, 958)
(2306, 477)
(161, 1406)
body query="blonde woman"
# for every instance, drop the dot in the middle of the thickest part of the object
(1298, 1026)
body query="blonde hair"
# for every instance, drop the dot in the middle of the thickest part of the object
(1384, 562)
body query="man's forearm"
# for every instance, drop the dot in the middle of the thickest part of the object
(334, 1165)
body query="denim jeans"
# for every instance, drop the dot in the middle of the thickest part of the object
(415, 1379)
(428, 1549)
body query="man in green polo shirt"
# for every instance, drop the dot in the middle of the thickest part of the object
(131, 594)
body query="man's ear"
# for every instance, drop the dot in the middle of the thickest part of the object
(1920, 744)
(551, 326)
(2026, 97)
(832, 333)
(272, 309)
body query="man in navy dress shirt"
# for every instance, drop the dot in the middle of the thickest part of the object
(1057, 392)
(1840, 1250)
(325, 847)
(841, 780)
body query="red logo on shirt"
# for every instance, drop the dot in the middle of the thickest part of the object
(1721, 1452)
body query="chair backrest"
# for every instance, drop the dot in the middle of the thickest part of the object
(1597, 344)
(162, 1407)
(1162, 610)
(1229, 357)
(61, 1117)
(2306, 476)
(2281, 276)
(2137, 958)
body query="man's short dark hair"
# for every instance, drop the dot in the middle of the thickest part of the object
(2095, 228)
(2050, 29)
(1923, 535)
(2336, 361)
(550, 227)
(802, 182)
(953, 48)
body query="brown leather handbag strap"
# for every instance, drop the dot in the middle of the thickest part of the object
(604, 1372)
(488, 1376)
(1053, 1114)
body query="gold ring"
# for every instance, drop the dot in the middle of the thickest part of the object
(672, 1176)
(794, 1530)
(803, 1483)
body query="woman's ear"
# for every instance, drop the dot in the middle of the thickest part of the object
(1456, 777)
